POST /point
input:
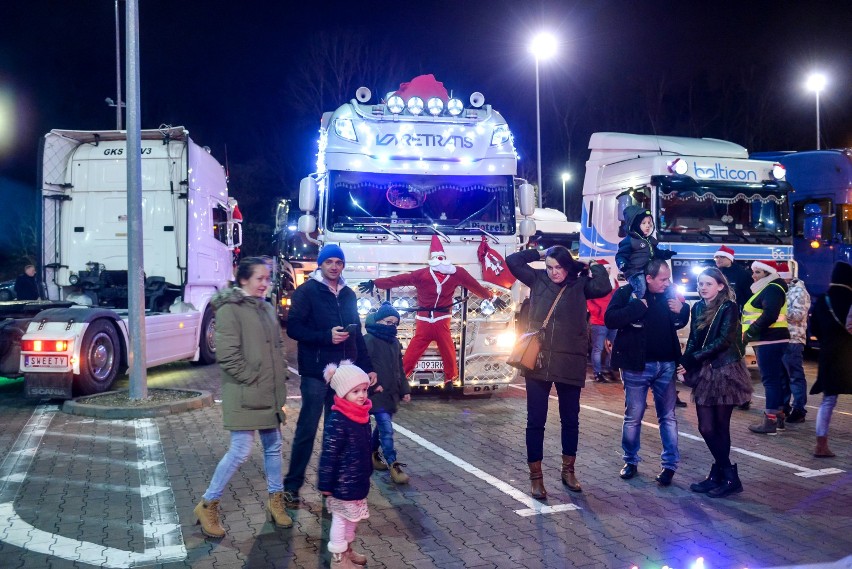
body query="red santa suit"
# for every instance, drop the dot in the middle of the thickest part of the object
(435, 286)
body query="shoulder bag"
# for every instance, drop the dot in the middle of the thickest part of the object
(526, 355)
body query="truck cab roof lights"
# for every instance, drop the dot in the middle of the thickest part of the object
(678, 166)
(415, 105)
(501, 135)
(778, 171)
(435, 106)
(396, 105)
(455, 107)
(344, 129)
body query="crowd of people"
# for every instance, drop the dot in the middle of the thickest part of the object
(349, 376)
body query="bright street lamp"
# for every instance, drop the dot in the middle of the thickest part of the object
(543, 47)
(565, 177)
(816, 83)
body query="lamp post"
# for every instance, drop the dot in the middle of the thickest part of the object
(565, 177)
(816, 83)
(543, 46)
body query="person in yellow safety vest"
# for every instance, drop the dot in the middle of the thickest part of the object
(765, 328)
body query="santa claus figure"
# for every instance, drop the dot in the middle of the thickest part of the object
(435, 286)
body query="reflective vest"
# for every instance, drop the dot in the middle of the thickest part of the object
(752, 313)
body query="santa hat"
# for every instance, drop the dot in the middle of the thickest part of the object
(436, 247)
(345, 377)
(725, 251)
(768, 266)
(784, 270)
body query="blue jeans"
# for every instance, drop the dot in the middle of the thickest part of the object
(538, 394)
(239, 451)
(599, 335)
(770, 362)
(826, 408)
(659, 377)
(794, 382)
(317, 397)
(383, 436)
(638, 284)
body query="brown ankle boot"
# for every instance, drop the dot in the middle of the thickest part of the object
(275, 511)
(822, 450)
(568, 477)
(207, 514)
(355, 557)
(342, 561)
(537, 489)
(396, 473)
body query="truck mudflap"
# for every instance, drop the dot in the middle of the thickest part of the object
(48, 385)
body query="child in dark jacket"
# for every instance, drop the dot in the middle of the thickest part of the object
(345, 469)
(386, 354)
(638, 248)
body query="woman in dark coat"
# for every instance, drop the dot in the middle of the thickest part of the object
(715, 339)
(834, 375)
(251, 358)
(564, 349)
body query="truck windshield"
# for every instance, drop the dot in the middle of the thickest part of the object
(723, 212)
(365, 202)
(297, 247)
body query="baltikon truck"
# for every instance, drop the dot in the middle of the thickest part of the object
(77, 341)
(419, 163)
(703, 193)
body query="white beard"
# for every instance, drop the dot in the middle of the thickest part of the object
(445, 268)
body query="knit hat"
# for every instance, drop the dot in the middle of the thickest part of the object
(768, 266)
(725, 251)
(345, 377)
(784, 270)
(330, 251)
(385, 310)
(841, 274)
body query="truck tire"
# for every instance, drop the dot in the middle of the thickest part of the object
(207, 339)
(99, 359)
(5, 295)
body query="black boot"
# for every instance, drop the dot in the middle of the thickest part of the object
(713, 480)
(730, 484)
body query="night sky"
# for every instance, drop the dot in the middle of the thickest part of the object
(241, 76)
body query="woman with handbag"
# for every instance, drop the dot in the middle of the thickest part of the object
(557, 313)
(713, 366)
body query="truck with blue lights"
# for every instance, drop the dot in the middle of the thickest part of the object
(417, 163)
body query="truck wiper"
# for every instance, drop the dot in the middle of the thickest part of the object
(461, 224)
(385, 227)
(435, 229)
(482, 230)
(741, 235)
(707, 235)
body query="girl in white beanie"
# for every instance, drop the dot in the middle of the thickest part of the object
(345, 463)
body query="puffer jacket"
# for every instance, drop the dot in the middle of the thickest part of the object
(636, 250)
(387, 361)
(251, 357)
(345, 464)
(566, 341)
(721, 343)
(798, 307)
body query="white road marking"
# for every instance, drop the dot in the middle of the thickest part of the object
(118, 488)
(803, 470)
(814, 407)
(533, 506)
(163, 538)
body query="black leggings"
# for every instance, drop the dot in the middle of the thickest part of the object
(714, 424)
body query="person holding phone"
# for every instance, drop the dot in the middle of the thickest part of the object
(324, 322)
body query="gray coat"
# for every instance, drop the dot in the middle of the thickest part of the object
(251, 357)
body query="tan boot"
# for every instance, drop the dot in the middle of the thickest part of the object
(568, 477)
(822, 450)
(378, 461)
(342, 561)
(275, 511)
(396, 473)
(355, 557)
(536, 481)
(207, 514)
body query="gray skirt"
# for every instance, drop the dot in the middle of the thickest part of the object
(730, 385)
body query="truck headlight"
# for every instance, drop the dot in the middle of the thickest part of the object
(455, 107)
(778, 171)
(364, 305)
(396, 105)
(415, 105)
(73, 279)
(500, 136)
(436, 106)
(486, 308)
(344, 129)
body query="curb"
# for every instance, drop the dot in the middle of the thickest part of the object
(79, 406)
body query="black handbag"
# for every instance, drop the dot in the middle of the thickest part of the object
(526, 355)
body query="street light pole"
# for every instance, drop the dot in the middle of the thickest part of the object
(117, 70)
(816, 83)
(817, 119)
(565, 177)
(538, 133)
(542, 47)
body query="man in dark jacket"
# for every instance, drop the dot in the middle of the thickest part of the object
(647, 357)
(26, 285)
(323, 306)
(739, 279)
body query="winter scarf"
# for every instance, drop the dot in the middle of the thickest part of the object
(353, 411)
(382, 331)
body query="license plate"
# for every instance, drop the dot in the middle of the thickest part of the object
(49, 362)
(429, 365)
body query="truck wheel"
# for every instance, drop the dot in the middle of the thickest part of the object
(207, 340)
(5, 295)
(99, 359)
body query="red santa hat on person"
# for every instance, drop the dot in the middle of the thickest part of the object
(784, 270)
(768, 266)
(725, 251)
(438, 258)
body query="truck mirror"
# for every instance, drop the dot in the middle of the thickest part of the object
(236, 234)
(527, 228)
(526, 200)
(307, 223)
(813, 222)
(308, 193)
(624, 201)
